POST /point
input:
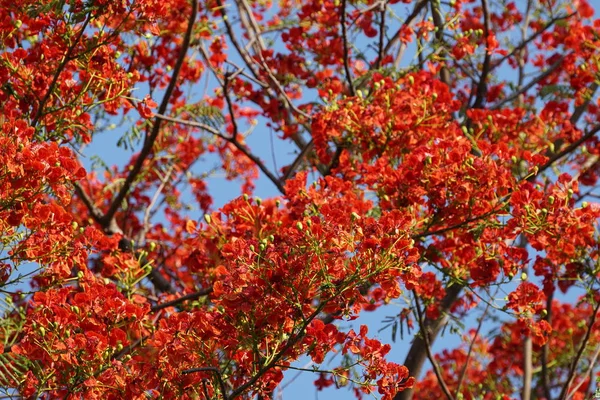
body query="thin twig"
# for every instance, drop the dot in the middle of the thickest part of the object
(380, 46)
(584, 342)
(179, 300)
(275, 359)
(531, 84)
(415, 359)
(425, 334)
(534, 36)
(59, 70)
(544, 356)
(463, 372)
(148, 210)
(216, 372)
(588, 373)
(234, 142)
(569, 149)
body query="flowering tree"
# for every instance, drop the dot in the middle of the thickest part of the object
(445, 160)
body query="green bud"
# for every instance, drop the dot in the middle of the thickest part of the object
(551, 200)
(252, 248)
(79, 274)
(207, 218)
(18, 23)
(523, 276)
(585, 204)
(152, 246)
(258, 201)
(299, 225)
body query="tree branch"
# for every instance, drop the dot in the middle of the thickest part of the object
(345, 49)
(485, 68)
(234, 142)
(463, 371)
(419, 5)
(179, 300)
(531, 84)
(424, 334)
(418, 350)
(569, 149)
(380, 53)
(436, 14)
(588, 373)
(59, 70)
(216, 372)
(150, 139)
(571, 375)
(544, 356)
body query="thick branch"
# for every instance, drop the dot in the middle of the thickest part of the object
(150, 139)
(345, 48)
(409, 20)
(485, 69)
(438, 21)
